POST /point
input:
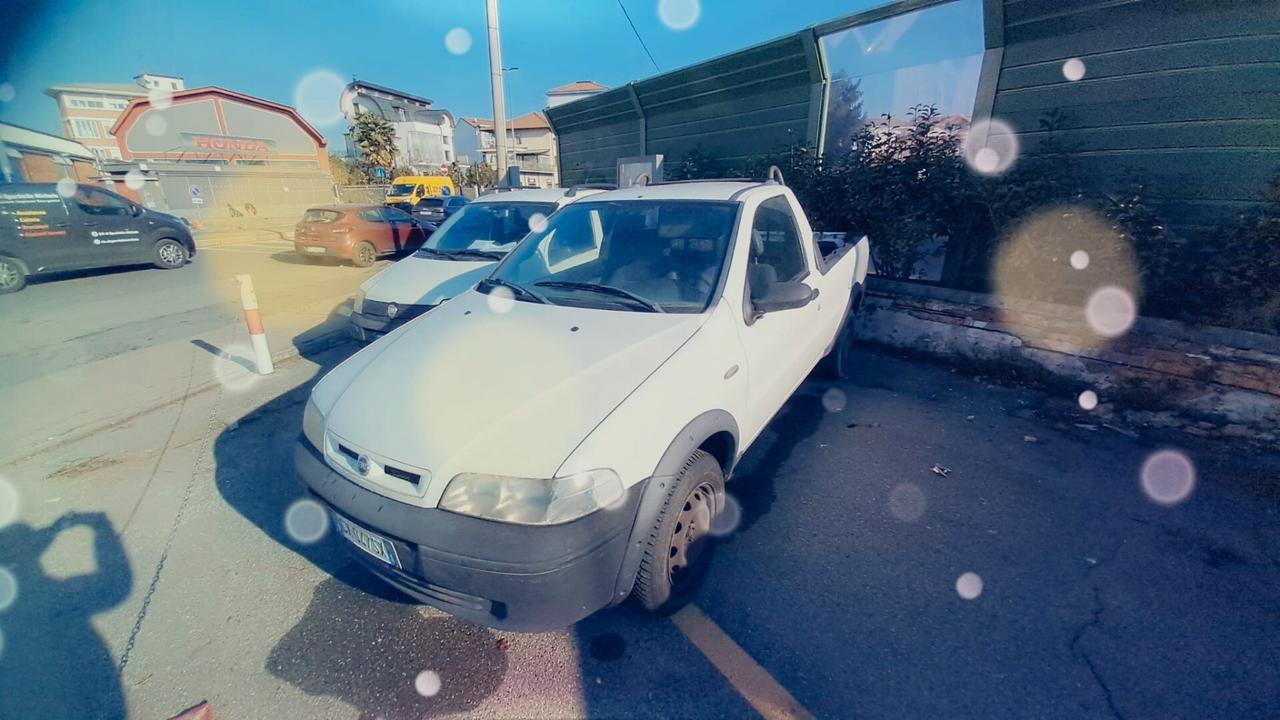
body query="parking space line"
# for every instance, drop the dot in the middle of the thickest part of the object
(752, 681)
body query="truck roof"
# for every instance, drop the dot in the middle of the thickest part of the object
(692, 190)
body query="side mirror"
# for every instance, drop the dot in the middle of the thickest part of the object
(784, 296)
(135, 210)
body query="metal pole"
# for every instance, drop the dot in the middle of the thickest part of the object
(495, 76)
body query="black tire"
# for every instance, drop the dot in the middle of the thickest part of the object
(13, 276)
(662, 584)
(365, 255)
(169, 254)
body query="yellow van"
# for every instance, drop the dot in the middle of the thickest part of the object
(412, 188)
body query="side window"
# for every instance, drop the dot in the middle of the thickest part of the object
(775, 241)
(99, 203)
(373, 216)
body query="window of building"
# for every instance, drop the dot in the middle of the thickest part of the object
(173, 85)
(85, 128)
(931, 56)
(84, 102)
(117, 104)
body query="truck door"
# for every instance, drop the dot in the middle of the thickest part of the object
(105, 229)
(778, 344)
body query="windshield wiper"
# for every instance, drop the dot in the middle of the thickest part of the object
(519, 290)
(603, 290)
(467, 252)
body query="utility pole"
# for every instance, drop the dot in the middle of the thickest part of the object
(495, 76)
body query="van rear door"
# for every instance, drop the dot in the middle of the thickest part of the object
(105, 230)
(35, 227)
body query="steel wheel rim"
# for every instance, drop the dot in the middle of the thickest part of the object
(692, 525)
(170, 254)
(8, 275)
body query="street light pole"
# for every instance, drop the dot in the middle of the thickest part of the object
(495, 77)
(513, 147)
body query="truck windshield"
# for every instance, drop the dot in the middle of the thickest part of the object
(400, 189)
(492, 228)
(626, 255)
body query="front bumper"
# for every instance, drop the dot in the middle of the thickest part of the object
(367, 328)
(511, 577)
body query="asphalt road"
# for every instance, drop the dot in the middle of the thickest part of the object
(170, 579)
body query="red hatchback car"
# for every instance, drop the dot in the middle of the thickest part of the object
(359, 233)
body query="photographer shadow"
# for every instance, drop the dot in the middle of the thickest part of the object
(53, 664)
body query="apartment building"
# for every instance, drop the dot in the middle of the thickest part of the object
(89, 110)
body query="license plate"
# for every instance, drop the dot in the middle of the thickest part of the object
(370, 542)
(316, 250)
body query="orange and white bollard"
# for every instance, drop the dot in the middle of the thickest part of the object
(253, 318)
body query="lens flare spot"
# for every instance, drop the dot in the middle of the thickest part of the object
(1168, 477)
(907, 502)
(537, 222)
(317, 95)
(457, 41)
(8, 589)
(1088, 400)
(501, 300)
(134, 180)
(7, 93)
(234, 367)
(679, 15)
(990, 147)
(8, 502)
(728, 519)
(160, 98)
(1073, 69)
(306, 521)
(1079, 259)
(67, 187)
(834, 400)
(1110, 311)
(427, 683)
(156, 124)
(969, 586)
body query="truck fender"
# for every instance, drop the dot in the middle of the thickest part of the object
(690, 438)
(855, 302)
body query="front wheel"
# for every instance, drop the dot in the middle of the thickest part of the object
(365, 255)
(170, 254)
(13, 277)
(680, 546)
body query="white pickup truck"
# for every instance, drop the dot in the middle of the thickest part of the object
(559, 437)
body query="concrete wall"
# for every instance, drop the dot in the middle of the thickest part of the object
(1216, 380)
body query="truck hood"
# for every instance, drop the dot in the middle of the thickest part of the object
(504, 390)
(425, 281)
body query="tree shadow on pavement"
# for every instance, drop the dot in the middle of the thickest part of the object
(53, 664)
(369, 653)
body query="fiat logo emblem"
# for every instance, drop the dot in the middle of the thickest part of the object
(392, 310)
(362, 464)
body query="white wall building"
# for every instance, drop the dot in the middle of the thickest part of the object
(424, 137)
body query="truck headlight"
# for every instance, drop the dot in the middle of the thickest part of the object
(313, 425)
(532, 501)
(357, 305)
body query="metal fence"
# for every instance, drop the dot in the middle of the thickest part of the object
(362, 194)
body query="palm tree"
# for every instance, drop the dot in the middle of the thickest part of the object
(376, 140)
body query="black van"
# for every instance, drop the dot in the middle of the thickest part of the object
(43, 231)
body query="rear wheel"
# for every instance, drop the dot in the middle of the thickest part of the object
(680, 546)
(838, 363)
(170, 254)
(13, 277)
(365, 255)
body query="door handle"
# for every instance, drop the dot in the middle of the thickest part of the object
(88, 223)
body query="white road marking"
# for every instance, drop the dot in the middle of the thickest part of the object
(747, 676)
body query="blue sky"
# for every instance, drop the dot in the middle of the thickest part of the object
(266, 49)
